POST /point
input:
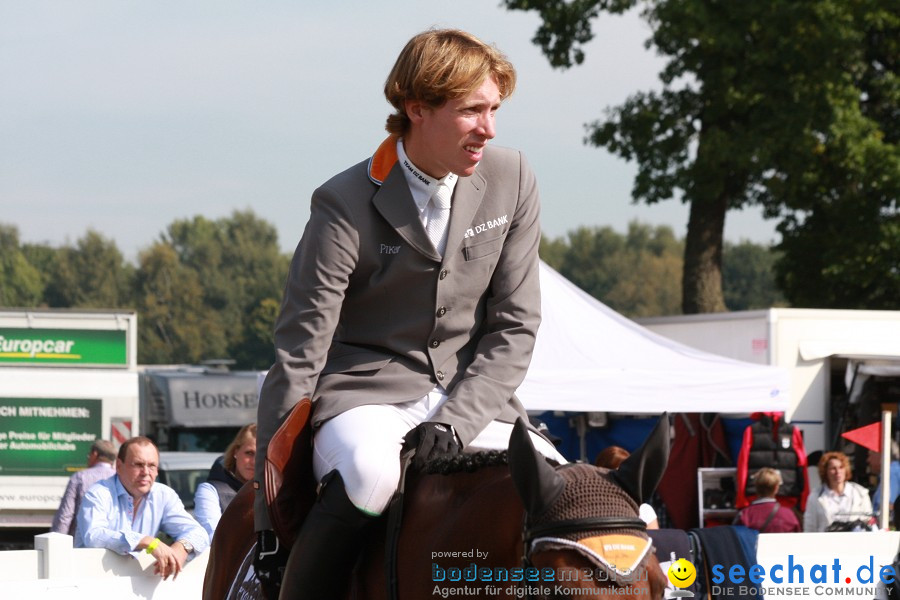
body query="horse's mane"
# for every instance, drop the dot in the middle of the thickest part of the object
(467, 462)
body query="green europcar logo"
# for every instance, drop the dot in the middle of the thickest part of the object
(79, 347)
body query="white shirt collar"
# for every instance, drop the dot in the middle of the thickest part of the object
(421, 186)
(833, 492)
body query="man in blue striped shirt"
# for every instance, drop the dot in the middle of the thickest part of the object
(125, 512)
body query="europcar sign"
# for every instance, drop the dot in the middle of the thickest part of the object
(75, 347)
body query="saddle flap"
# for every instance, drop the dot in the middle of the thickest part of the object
(290, 485)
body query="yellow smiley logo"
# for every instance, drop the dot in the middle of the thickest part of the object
(682, 573)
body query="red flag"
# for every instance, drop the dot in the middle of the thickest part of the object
(867, 437)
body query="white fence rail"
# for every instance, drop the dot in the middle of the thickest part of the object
(789, 564)
(54, 569)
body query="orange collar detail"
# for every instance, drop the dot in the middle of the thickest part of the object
(383, 160)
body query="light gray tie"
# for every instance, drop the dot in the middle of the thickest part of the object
(440, 216)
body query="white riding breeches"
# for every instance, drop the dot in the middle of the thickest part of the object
(364, 444)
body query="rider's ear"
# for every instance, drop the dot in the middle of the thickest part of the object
(538, 484)
(641, 472)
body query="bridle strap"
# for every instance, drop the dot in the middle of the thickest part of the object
(394, 519)
(557, 528)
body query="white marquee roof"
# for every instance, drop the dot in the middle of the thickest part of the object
(590, 358)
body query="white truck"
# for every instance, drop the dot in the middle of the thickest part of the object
(67, 378)
(196, 408)
(837, 358)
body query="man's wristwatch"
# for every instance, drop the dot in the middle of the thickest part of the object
(188, 547)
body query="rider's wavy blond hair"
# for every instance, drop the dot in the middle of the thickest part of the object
(440, 65)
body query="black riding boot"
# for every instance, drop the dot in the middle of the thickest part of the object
(327, 546)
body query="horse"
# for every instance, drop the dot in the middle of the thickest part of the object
(489, 525)
(229, 572)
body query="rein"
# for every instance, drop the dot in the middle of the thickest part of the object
(395, 517)
(557, 528)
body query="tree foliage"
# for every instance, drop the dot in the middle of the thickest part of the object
(206, 290)
(174, 323)
(211, 289)
(638, 274)
(20, 282)
(748, 277)
(91, 273)
(238, 267)
(844, 254)
(789, 105)
(840, 240)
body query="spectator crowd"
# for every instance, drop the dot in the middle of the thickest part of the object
(116, 502)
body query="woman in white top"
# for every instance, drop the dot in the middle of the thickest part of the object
(226, 477)
(839, 499)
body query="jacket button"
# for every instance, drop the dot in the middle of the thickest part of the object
(435, 343)
(443, 273)
(440, 375)
(442, 311)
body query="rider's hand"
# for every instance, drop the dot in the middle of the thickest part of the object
(432, 439)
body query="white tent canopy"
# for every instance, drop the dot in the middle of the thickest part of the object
(589, 358)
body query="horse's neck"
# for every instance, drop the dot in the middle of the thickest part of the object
(474, 511)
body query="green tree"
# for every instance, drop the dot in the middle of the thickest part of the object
(638, 274)
(258, 349)
(553, 251)
(174, 324)
(585, 262)
(748, 277)
(755, 94)
(21, 284)
(840, 240)
(844, 254)
(42, 257)
(649, 272)
(635, 274)
(238, 267)
(92, 274)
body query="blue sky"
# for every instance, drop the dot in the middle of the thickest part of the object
(124, 116)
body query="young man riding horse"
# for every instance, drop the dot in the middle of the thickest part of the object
(412, 302)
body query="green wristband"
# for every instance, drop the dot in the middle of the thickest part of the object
(152, 546)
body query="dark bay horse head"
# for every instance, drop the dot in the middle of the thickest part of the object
(582, 521)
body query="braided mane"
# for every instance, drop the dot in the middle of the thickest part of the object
(467, 462)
